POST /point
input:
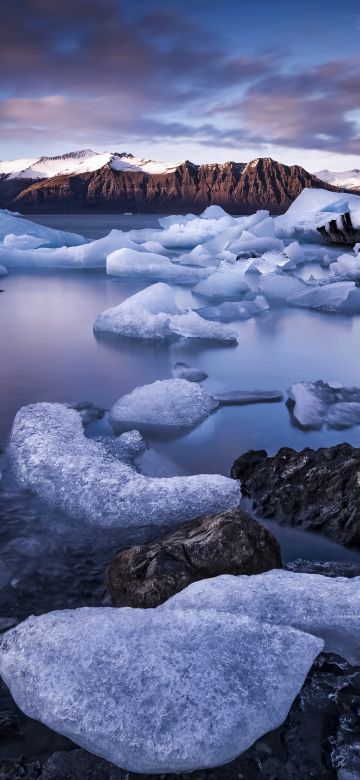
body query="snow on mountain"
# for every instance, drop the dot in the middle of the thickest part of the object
(82, 161)
(345, 179)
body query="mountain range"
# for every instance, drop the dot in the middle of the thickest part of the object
(107, 181)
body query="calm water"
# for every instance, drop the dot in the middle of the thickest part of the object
(49, 352)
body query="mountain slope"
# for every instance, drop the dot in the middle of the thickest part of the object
(238, 187)
(344, 179)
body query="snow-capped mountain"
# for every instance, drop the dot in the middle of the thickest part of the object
(348, 180)
(83, 161)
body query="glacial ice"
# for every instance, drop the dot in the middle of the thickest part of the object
(89, 255)
(312, 209)
(326, 607)
(17, 225)
(278, 287)
(328, 295)
(314, 404)
(192, 326)
(347, 266)
(225, 284)
(199, 256)
(230, 311)
(26, 241)
(181, 370)
(249, 243)
(165, 407)
(130, 263)
(155, 690)
(145, 315)
(52, 457)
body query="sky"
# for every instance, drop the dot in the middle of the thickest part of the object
(206, 80)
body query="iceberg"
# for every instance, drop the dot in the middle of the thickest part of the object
(130, 263)
(26, 241)
(250, 245)
(312, 209)
(183, 371)
(154, 690)
(89, 255)
(166, 407)
(52, 457)
(279, 287)
(328, 295)
(347, 266)
(314, 404)
(230, 311)
(325, 607)
(192, 326)
(222, 284)
(145, 315)
(12, 223)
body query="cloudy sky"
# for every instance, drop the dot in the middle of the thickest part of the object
(200, 79)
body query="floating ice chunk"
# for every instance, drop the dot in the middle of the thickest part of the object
(258, 246)
(264, 229)
(166, 407)
(176, 219)
(325, 607)
(314, 404)
(347, 266)
(226, 284)
(90, 255)
(153, 246)
(296, 253)
(131, 263)
(312, 209)
(26, 241)
(271, 262)
(191, 325)
(215, 212)
(331, 296)
(155, 690)
(244, 397)
(183, 371)
(198, 256)
(145, 315)
(53, 458)
(3, 271)
(277, 287)
(10, 222)
(230, 311)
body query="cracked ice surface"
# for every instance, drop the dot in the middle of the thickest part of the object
(52, 457)
(155, 690)
(314, 404)
(325, 607)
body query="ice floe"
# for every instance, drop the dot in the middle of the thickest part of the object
(191, 325)
(145, 315)
(230, 311)
(181, 370)
(156, 690)
(130, 263)
(223, 284)
(52, 457)
(325, 607)
(165, 407)
(87, 255)
(328, 295)
(314, 404)
(12, 223)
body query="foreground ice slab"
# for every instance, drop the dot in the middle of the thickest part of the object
(13, 223)
(325, 607)
(314, 404)
(52, 457)
(130, 263)
(156, 691)
(166, 407)
(145, 315)
(192, 326)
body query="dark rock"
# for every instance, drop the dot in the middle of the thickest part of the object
(318, 490)
(237, 187)
(326, 568)
(227, 543)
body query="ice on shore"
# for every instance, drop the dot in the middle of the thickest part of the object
(192, 326)
(130, 263)
(145, 315)
(314, 404)
(230, 311)
(156, 691)
(183, 371)
(52, 457)
(225, 284)
(12, 223)
(326, 607)
(165, 407)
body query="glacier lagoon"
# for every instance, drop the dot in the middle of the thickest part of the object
(49, 352)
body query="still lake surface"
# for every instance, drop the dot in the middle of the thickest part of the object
(49, 352)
